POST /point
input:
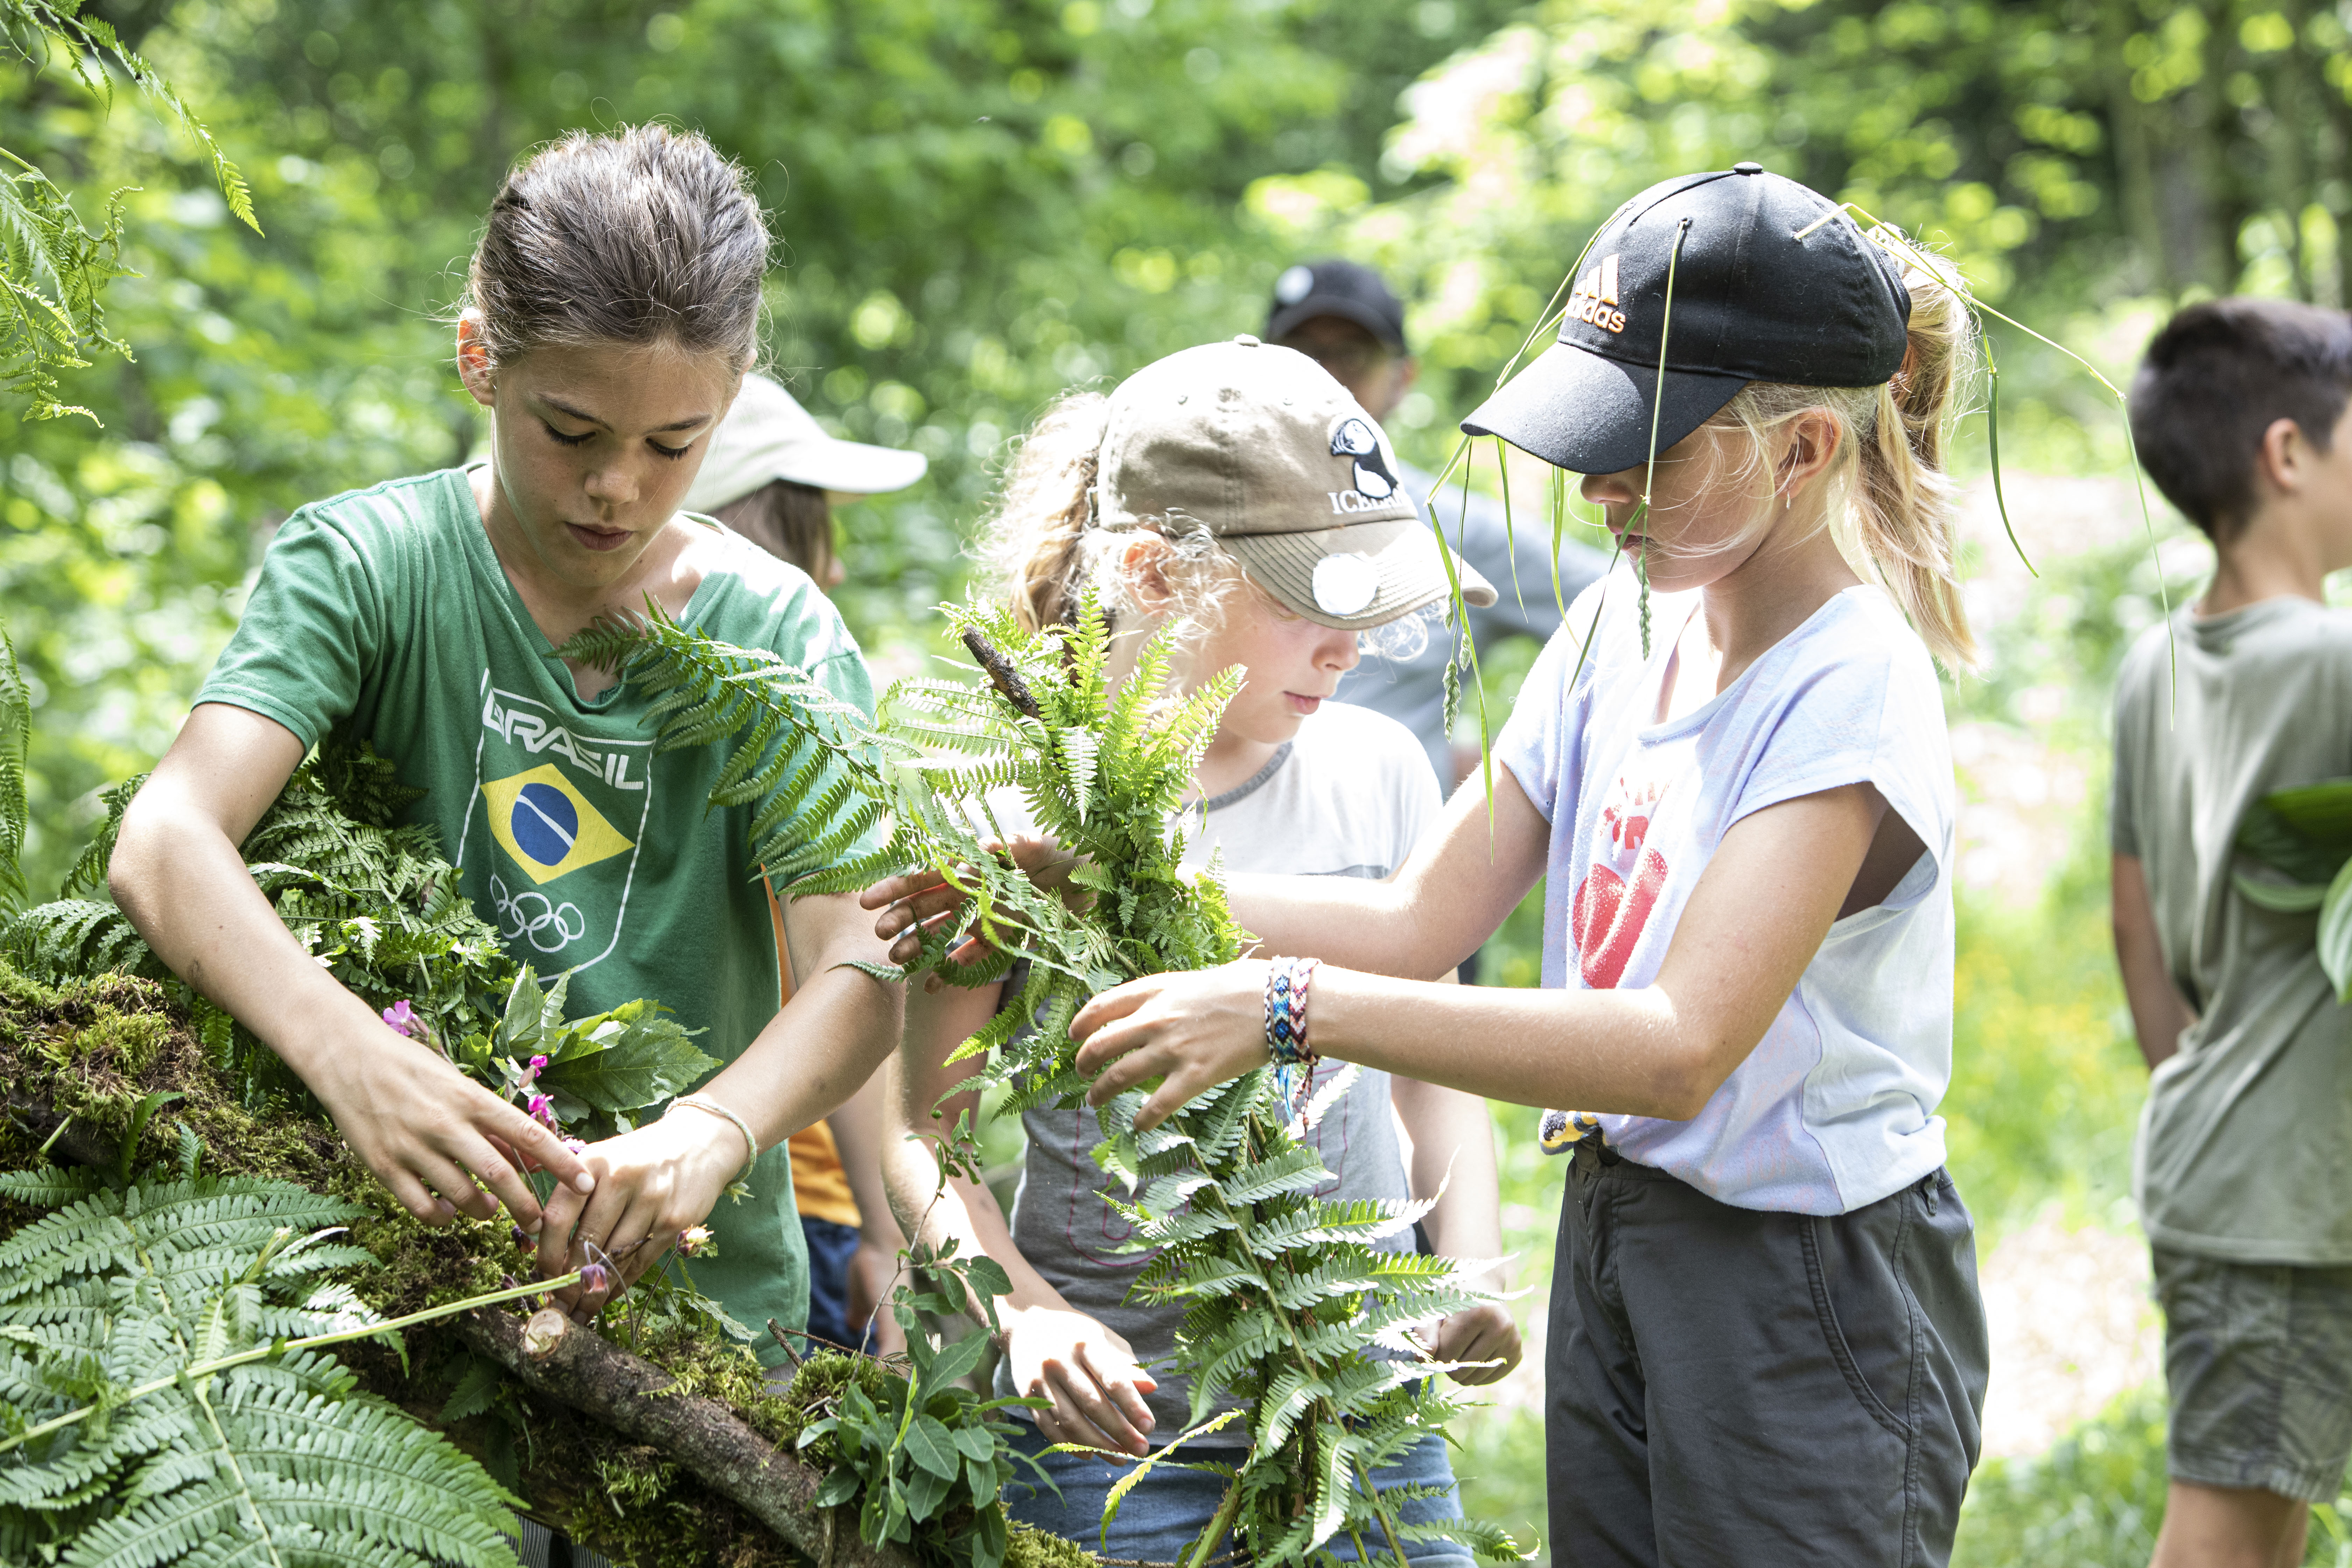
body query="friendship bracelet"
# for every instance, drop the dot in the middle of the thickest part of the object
(705, 1103)
(1285, 1010)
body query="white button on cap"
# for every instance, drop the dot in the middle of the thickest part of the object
(1345, 584)
(1246, 341)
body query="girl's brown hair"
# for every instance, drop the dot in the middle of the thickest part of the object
(1897, 514)
(640, 237)
(791, 521)
(1044, 543)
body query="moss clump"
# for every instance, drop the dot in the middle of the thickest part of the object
(1027, 1548)
(815, 1392)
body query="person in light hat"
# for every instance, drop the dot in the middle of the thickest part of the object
(769, 474)
(1236, 497)
(773, 471)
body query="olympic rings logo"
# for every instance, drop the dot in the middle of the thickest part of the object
(533, 915)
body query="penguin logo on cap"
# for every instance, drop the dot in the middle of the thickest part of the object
(1352, 437)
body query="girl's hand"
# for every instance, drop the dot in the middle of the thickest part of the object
(1483, 1332)
(651, 1185)
(1090, 1374)
(425, 1127)
(1194, 1031)
(923, 900)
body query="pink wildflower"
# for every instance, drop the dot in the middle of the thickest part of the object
(595, 1276)
(532, 1071)
(403, 1019)
(543, 1110)
(575, 1145)
(694, 1240)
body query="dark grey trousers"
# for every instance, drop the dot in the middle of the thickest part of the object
(1730, 1387)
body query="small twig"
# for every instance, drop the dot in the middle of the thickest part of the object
(1000, 673)
(783, 1336)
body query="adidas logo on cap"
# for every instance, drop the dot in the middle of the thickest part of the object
(1595, 298)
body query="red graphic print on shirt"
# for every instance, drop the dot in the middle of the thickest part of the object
(1608, 916)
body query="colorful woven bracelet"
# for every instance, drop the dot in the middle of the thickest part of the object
(1285, 1010)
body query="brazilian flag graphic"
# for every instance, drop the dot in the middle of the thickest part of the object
(547, 826)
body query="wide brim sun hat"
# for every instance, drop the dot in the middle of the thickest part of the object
(767, 435)
(1262, 448)
(1771, 281)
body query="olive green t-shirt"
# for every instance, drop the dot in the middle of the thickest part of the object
(386, 611)
(2245, 1147)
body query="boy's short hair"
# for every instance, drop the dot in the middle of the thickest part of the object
(2215, 378)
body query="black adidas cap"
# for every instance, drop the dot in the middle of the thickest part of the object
(1773, 282)
(1348, 289)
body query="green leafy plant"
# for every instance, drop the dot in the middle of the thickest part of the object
(2306, 834)
(53, 270)
(165, 1390)
(1294, 1309)
(922, 1456)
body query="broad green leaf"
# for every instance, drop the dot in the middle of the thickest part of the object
(652, 1060)
(2281, 898)
(932, 1449)
(926, 1491)
(2335, 934)
(2305, 832)
(954, 1361)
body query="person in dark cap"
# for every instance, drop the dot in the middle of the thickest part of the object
(1343, 315)
(1764, 1343)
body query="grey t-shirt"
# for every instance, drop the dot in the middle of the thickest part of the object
(1349, 797)
(2245, 1147)
(1518, 559)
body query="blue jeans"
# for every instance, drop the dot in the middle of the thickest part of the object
(1168, 1511)
(830, 1246)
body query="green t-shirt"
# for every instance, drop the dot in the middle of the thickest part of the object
(386, 611)
(2245, 1148)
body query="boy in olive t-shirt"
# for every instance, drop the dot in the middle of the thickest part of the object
(2243, 1168)
(386, 611)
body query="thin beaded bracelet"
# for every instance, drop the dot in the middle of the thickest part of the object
(1285, 1010)
(705, 1103)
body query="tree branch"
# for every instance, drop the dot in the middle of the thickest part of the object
(556, 1357)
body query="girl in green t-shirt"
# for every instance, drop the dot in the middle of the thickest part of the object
(612, 313)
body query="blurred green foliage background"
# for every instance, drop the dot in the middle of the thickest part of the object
(981, 203)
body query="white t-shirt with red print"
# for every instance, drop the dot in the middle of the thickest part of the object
(1836, 1106)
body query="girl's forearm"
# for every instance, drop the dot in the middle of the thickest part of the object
(1346, 920)
(964, 1212)
(1619, 1051)
(1453, 1156)
(813, 1055)
(185, 888)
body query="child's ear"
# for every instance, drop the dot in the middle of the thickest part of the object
(474, 361)
(2279, 460)
(1143, 567)
(1814, 437)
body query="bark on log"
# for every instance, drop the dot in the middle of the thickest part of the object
(74, 1145)
(556, 1357)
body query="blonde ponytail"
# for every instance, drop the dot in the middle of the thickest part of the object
(1902, 502)
(1036, 538)
(1895, 518)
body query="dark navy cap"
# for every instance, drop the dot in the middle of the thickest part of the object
(1772, 282)
(1348, 289)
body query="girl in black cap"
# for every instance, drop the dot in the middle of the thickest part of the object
(1764, 1343)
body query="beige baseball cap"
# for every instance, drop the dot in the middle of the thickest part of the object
(1261, 447)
